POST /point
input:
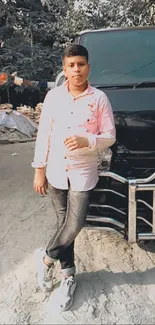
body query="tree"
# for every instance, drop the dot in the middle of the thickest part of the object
(131, 13)
(35, 31)
(30, 47)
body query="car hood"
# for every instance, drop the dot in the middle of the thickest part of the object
(134, 113)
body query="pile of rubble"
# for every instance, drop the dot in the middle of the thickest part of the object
(6, 107)
(29, 112)
(8, 135)
(18, 125)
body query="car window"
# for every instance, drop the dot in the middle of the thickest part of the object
(120, 56)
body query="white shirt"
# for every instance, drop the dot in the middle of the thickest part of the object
(88, 114)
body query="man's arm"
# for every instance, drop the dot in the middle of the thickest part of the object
(42, 140)
(42, 147)
(106, 126)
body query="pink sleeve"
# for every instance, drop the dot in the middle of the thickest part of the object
(106, 136)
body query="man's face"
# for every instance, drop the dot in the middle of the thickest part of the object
(76, 69)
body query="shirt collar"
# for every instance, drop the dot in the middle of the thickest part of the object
(89, 90)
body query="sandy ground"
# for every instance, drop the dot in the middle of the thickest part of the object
(116, 282)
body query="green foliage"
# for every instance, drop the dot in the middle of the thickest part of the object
(35, 31)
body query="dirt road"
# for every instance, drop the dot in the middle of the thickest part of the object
(116, 281)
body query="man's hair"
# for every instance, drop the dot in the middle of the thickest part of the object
(75, 50)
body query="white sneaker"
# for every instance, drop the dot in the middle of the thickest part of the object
(67, 288)
(45, 273)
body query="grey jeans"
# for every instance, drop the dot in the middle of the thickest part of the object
(71, 208)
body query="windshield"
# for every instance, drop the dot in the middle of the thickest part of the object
(120, 56)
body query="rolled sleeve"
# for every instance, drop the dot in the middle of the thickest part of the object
(42, 140)
(106, 126)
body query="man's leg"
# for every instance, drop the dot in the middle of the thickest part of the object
(77, 209)
(67, 261)
(63, 244)
(59, 199)
(44, 263)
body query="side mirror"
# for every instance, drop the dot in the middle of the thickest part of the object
(60, 79)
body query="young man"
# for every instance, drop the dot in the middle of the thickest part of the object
(76, 121)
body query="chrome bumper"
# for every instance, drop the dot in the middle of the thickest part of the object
(127, 229)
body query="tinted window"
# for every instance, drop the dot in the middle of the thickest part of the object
(121, 56)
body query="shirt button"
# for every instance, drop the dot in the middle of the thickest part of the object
(69, 127)
(71, 112)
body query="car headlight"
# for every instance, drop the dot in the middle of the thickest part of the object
(104, 159)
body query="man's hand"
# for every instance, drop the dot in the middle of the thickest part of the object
(40, 183)
(76, 142)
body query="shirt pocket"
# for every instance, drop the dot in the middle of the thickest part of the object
(90, 123)
(91, 120)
